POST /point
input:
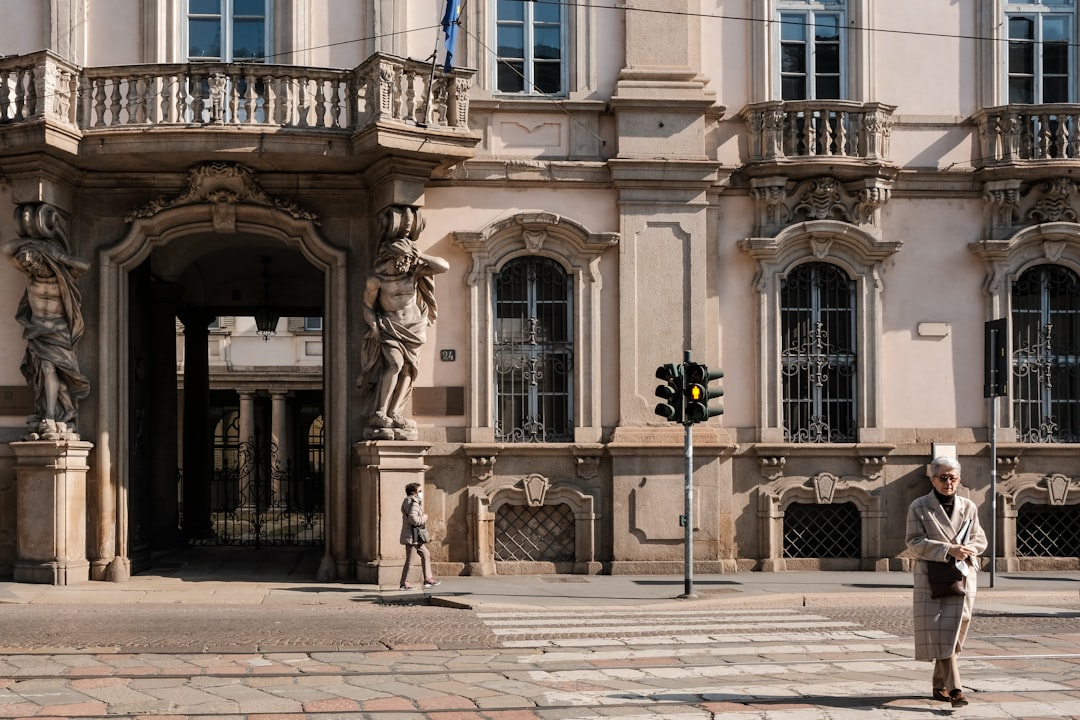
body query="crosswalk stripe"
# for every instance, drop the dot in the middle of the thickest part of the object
(648, 627)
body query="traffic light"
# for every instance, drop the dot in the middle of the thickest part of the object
(671, 392)
(698, 393)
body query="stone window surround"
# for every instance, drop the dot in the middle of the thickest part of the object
(578, 251)
(862, 257)
(1016, 490)
(1051, 242)
(765, 44)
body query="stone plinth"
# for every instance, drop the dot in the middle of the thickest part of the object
(51, 511)
(382, 470)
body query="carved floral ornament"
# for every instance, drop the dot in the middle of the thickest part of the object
(1012, 205)
(822, 489)
(222, 183)
(781, 202)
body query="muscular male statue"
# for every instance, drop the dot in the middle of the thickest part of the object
(398, 305)
(51, 315)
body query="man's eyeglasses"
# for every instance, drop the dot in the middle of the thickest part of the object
(948, 478)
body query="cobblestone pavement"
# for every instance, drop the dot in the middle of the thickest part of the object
(824, 658)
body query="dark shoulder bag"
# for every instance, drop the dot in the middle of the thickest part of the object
(945, 579)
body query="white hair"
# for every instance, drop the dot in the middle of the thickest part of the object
(946, 463)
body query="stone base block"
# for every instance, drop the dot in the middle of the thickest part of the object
(52, 573)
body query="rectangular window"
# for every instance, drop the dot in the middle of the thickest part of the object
(812, 50)
(530, 47)
(1041, 53)
(228, 30)
(313, 324)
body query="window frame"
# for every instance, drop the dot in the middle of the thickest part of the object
(529, 60)
(227, 19)
(578, 251)
(536, 398)
(861, 256)
(1038, 12)
(817, 423)
(811, 11)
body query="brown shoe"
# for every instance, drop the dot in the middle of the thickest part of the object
(941, 694)
(956, 697)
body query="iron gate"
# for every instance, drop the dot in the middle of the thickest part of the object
(257, 499)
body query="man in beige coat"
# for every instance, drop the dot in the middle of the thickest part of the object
(935, 524)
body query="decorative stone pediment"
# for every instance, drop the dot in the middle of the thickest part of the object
(782, 202)
(1053, 489)
(1012, 204)
(222, 184)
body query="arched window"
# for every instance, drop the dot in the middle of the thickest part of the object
(1046, 356)
(533, 352)
(818, 354)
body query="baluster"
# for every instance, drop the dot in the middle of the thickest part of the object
(408, 112)
(183, 98)
(303, 110)
(320, 102)
(232, 87)
(812, 118)
(250, 102)
(1074, 135)
(792, 121)
(829, 134)
(286, 100)
(5, 94)
(131, 99)
(1061, 135)
(270, 99)
(20, 94)
(99, 102)
(1044, 136)
(335, 103)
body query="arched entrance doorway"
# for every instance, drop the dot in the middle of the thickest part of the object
(198, 258)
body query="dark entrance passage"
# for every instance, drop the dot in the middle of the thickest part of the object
(265, 492)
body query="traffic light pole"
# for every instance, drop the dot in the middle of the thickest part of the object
(688, 472)
(688, 501)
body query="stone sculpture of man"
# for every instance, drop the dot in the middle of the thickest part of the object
(398, 305)
(51, 315)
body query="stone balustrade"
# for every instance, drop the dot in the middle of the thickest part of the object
(41, 86)
(1013, 133)
(801, 129)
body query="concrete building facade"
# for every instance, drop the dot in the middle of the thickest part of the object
(826, 199)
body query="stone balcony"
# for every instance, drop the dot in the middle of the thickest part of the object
(799, 139)
(275, 117)
(1028, 141)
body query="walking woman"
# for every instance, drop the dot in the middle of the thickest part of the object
(414, 535)
(944, 527)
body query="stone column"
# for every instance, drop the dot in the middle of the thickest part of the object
(247, 416)
(279, 444)
(382, 470)
(198, 465)
(51, 511)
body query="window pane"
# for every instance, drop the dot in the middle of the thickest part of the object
(793, 88)
(249, 7)
(547, 77)
(1055, 90)
(547, 12)
(511, 39)
(1021, 28)
(249, 39)
(827, 28)
(793, 58)
(546, 44)
(511, 10)
(828, 88)
(204, 39)
(1021, 58)
(793, 27)
(1056, 28)
(511, 77)
(204, 7)
(827, 60)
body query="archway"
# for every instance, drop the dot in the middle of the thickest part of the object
(173, 250)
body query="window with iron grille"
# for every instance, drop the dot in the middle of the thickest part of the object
(818, 356)
(1046, 360)
(1048, 530)
(533, 352)
(536, 534)
(822, 531)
